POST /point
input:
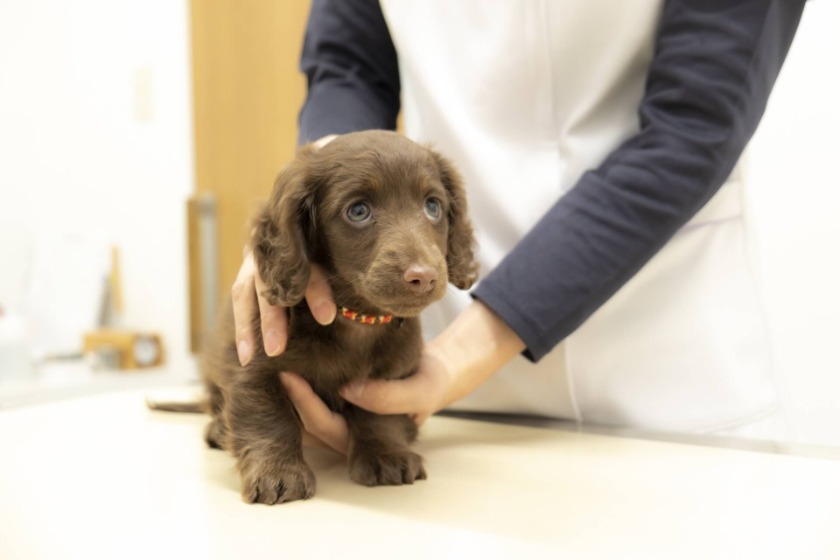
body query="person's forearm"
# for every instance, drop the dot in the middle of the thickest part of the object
(708, 83)
(474, 347)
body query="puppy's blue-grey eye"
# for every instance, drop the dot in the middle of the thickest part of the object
(358, 212)
(433, 209)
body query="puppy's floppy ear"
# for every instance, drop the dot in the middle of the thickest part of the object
(281, 234)
(460, 260)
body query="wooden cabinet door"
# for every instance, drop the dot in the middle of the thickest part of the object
(247, 92)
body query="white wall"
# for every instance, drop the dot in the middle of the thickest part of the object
(96, 139)
(794, 181)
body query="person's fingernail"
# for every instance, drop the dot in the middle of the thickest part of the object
(324, 312)
(243, 349)
(272, 342)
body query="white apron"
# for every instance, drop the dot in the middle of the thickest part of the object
(525, 96)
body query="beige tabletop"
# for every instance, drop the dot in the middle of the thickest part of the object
(103, 477)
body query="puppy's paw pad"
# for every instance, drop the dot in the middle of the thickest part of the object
(277, 484)
(386, 469)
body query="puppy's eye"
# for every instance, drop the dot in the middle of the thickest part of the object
(358, 212)
(433, 209)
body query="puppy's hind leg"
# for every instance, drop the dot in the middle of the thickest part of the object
(215, 432)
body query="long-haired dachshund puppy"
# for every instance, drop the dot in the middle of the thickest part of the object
(386, 218)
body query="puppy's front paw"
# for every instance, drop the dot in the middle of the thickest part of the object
(386, 469)
(274, 482)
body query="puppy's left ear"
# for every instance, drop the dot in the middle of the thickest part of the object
(460, 257)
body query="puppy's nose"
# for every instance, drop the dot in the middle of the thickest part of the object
(421, 278)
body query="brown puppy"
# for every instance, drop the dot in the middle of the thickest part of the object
(386, 218)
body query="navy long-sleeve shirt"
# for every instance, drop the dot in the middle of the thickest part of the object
(714, 65)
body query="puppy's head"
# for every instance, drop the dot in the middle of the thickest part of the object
(386, 217)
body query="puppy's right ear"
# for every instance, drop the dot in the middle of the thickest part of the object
(280, 239)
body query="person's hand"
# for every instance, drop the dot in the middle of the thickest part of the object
(429, 390)
(465, 355)
(248, 301)
(321, 426)
(419, 396)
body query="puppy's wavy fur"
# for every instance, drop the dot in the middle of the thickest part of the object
(387, 220)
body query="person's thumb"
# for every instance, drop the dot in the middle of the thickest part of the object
(387, 397)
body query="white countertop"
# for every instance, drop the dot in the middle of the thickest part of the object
(103, 477)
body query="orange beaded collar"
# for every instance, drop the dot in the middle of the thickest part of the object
(366, 319)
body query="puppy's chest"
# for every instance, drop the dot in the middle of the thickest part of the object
(332, 356)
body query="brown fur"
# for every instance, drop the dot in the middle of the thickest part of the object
(306, 221)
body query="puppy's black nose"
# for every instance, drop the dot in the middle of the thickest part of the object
(420, 278)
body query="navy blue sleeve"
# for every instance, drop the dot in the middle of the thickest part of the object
(714, 64)
(351, 69)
